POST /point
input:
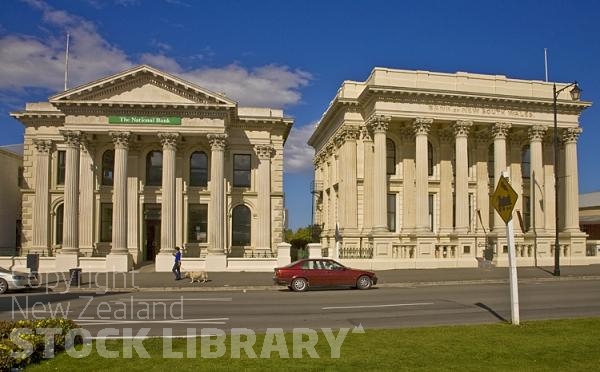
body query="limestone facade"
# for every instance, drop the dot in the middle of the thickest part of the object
(405, 163)
(128, 167)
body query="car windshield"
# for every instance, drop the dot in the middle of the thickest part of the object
(3, 270)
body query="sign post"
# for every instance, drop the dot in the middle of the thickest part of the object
(504, 200)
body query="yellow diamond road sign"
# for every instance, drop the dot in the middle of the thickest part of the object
(504, 199)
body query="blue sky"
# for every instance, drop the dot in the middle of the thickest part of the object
(295, 54)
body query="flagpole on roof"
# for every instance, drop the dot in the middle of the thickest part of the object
(67, 62)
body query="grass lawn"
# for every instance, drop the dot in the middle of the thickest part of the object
(562, 345)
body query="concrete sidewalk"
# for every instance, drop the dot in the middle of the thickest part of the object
(145, 280)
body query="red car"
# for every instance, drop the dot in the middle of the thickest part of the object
(322, 272)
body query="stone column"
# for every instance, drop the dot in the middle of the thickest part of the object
(71, 204)
(571, 210)
(349, 198)
(549, 205)
(461, 182)
(216, 214)
(446, 139)
(408, 180)
(515, 157)
(483, 189)
(499, 132)
(537, 198)
(167, 224)
(86, 198)
(40, 208)
(119, 230)
(264, 154)
(379, 125)
(421, 128)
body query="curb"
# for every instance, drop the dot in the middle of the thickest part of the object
(104, 290)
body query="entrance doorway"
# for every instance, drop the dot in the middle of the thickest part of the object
(151, 231)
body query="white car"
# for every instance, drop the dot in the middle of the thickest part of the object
(11, 280)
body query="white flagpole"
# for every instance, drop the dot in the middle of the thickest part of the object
(546, 62)
(67, 62)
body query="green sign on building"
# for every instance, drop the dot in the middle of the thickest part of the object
(145, 120)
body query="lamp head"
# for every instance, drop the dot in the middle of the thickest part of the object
(575, 92)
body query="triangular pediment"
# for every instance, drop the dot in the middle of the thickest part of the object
(143, 85)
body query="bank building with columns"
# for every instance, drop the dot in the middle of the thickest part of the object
(405, 163)
(122, 170)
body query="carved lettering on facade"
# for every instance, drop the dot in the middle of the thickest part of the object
(479, 111)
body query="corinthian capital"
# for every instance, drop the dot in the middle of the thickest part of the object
(217, 141)
(120, 139)
(500, 130)
(421, 126)
(72, 138)
(570, 135)
(43, 146)
(169, 140)
(462, 128)
(537, 132)
(264, 152)
(379, 123)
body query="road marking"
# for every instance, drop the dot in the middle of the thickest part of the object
(375, 306)
(169, 321)
(224, 299)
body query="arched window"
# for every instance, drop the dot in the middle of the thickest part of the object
(108, 167)
(154, 164)
(429, 159)
(198, 169)
(58, 225)
(526, 162)
(390, 153)
(240, 234)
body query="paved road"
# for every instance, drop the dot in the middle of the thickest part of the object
(384, 307)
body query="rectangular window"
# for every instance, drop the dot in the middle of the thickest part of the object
(241, 170)
(21, 177)
(197, 223)
(527, 212)
(106, 214)
(60, 167)
(391, 212)
(431, 212)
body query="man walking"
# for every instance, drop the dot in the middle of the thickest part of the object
(177, 264)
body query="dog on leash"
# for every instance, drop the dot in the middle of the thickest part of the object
(197, 276)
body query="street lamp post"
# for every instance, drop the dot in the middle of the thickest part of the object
(575, 93)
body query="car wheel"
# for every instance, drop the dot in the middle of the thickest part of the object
(299, 285)
(364, 282)
(3, 286)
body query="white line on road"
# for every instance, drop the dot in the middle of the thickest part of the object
(168, 321)
(224, 299)
(375, 306)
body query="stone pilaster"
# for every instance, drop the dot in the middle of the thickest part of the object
(40, 208)
(408, 176)
(537, 198)
(348, 194)
(216, 230)
(549, 203)
(461, 182)
(379, 125)
(421, 127)
(264, 154)
(571, 210)
(367, 143)
(167, 225)
(500, 133)
(71, 194)
(119, 231)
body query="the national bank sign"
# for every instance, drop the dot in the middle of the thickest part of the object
(172, 120)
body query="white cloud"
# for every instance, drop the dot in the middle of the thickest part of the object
(38, 62)
(298, 154)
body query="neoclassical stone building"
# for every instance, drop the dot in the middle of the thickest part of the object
(405, 163)
(124, 169)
